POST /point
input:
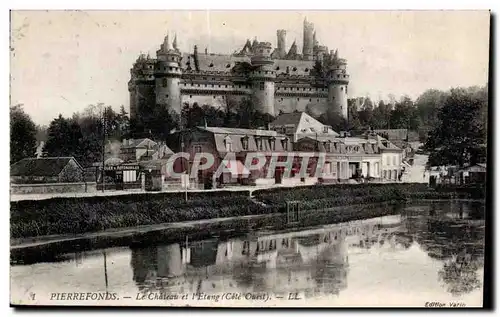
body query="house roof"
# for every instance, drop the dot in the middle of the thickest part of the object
(394, 134)
(303, 123)
(46, 166)
(135, 143)
(292, 118)
(242, 132)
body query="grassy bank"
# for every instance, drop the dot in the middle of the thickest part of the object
(93, 214)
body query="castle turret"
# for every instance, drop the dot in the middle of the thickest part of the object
(281, 43)
(141, 86)
(168, 75)
(263, 77)
(308, 45)
(338, 79)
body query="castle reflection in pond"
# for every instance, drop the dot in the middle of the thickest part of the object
(309, 262)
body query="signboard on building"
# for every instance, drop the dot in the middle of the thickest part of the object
(122, 168)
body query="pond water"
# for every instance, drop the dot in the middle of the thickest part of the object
(429, 253)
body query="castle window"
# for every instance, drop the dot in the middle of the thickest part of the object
(318, 100)
(277, 68)
(225, 86)
(344, 76)
(173, 58)
(213, 78)
(205, 78)
(190, 96)
(338, 76)
(304, 89)
(228, 66)
(341, 88)
(298, 99)
(310, 99)
(211, 65)
(184, 84)
(306, 70)
(164, 68)
(295, 69)
(214, 97)
(281, 99)
(166, 96)
(170, 68)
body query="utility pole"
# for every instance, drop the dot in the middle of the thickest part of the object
(105, 270)
(103, 146)
(181, 128)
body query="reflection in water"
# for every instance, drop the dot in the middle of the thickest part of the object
(445, 240)
(309, 262)
(458, 241)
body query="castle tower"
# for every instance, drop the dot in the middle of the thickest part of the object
(308, 45)
(168, 75)
(281, 43)
(141, 86)
(262, 78)
(338, 79)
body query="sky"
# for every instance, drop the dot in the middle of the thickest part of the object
(62, 61)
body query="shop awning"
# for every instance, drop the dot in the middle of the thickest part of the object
(236, 168)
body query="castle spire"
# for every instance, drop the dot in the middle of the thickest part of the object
(175, 42)
(336, 54)
(166, 43)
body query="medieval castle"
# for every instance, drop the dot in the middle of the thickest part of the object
(275, 80)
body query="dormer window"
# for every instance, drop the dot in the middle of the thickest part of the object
(259, 143)
(244, 143)
(325, 129)
(284, 144)
(228, 143)
(272, 143)
(328, 146)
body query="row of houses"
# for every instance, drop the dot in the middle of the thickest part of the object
(142, 163)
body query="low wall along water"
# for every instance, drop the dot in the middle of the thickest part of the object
(49, 188)
(77, 215)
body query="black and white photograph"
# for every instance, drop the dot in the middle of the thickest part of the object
(249, 158)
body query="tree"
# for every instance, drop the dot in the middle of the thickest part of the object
(428, 105)
(335, 120)
(64, 136)
(366, 113)
(22, 134)
(381, 116)
(460, 135)
(404, 115)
